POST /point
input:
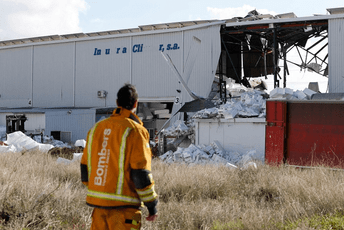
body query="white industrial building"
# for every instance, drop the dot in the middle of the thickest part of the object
(65, 83)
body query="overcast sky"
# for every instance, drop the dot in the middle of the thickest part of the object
(31, 18)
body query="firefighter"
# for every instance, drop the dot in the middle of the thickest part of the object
(116, 167)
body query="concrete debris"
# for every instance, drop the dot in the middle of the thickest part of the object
(18, 141)
(178, 128)
(210, 154)
(309, 93)
(250, 103)
(80, 143)
(289, 94)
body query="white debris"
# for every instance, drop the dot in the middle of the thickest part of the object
(81, 143)
(22, 142)
(308, 92)
(7, 149)
(218, 148)
(250, 103)
(77, 156)
(209, 154)
(300, 95)
(177, 128)
(289, 94)
(249, 164)
(277, 93)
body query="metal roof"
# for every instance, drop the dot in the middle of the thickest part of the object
(153, 27)
(251, 19)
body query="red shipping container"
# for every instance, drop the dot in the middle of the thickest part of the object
(315, 133)
(305, 133)
(275, 132)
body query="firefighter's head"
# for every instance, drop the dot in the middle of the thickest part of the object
(127, 97)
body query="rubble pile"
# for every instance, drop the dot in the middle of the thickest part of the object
(178, 128)
(210, 154)
(250, 103)
(290, 94)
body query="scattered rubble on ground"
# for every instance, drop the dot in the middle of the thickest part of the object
(210, 154)
(18, 142)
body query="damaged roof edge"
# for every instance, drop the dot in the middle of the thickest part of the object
(62, 38)
(284, 20)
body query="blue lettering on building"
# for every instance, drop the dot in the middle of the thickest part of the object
(168, 47)
(97, 51)
(137, 48)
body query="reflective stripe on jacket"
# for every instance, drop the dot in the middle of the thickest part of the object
(114, 146)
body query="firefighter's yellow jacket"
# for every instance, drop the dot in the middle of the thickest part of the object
(116, 163)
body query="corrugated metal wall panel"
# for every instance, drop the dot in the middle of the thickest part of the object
(150, 72)
(208, 55)
(101, 65)
(336, 55)
(15, 75)
(204, 68)
(78, 122)
(53, 79)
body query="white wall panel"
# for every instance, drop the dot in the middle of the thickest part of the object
(336, 57)
(233, 134)
(77, 121)
(208, 54)
(151, 74)
(53, 75)
(15, 75)
(101, 65)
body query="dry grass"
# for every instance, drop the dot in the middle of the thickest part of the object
(38, 193)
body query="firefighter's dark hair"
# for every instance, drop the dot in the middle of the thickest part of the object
(126, 96)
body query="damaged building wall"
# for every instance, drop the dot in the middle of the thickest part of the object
(72, 72)
(200, 62)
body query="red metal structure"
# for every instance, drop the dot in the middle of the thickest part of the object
(305, 133)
